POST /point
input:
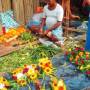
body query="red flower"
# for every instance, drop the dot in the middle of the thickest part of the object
(66, 53)
(76, 62)
(87, 58)
(88, 72)
(61, 88)
(14, 77)
(82, 49)
(25, 70)
(76, 48)
(72, 52)
(82, 61)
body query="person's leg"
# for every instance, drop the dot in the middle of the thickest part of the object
(33, 26)
(87, 45)
(56, 36)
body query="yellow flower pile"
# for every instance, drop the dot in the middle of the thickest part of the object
(46, 65)
(4, 84)
(13, 32)
(19, 77)
(31, 71)
(58, 84)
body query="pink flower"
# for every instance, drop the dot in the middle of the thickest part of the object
(76, 62)
(14, 77)
(82, 49)
(72, 52)
(88, 72)
(82, 61)
(66, 53)
(25, 70)
(76, 48)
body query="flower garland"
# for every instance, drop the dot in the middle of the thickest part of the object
(79, 57)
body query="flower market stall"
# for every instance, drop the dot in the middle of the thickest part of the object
(28, 62)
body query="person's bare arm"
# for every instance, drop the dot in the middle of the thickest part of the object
(86, 2)
(54, 27)
(42, 23)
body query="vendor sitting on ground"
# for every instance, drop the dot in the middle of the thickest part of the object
(34, 23)
(52, 18)
(51, 25)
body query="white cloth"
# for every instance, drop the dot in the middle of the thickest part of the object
(53, 16)
(37, 17)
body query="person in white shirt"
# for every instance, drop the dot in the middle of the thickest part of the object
(34, 23)
(52, 17)
(86, 3)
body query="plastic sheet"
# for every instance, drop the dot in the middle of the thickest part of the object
(7, 20)
(74, 79)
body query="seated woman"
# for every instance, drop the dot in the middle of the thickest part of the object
(34, 23)
(52, 18)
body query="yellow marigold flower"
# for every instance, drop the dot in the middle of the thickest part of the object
(45, 62)
(22, 82)
(81, 68)
(69, 49)
(81, 53)
(43, 59)
(4, 89)
(61, 85)
(71, 58)
(30, 71)
(33, 76)
(77, 57)
(48, 70)
(3, 83)
(34, 65)
(17, 70)
(87, 53)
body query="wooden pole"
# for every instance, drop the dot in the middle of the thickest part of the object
(18, 8)
(6, 5)
(35, 4)
(28, 9)
(66, 7)
(0, 6)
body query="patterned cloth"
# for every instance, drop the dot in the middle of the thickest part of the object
(7, 20)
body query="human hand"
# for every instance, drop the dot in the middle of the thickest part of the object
(46, 32)
(41, 31)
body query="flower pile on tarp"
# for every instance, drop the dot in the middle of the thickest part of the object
(37, 74)
(4, 84)
(80, 58)
(32, 72)
(12, 33)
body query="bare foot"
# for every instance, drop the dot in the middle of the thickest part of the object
(59, 43)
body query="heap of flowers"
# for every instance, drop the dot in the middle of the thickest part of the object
(4, 84)
(46, 65)
(80, 58)
(19, 77)
(58, 84)
(34, 73)
(13, 32)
